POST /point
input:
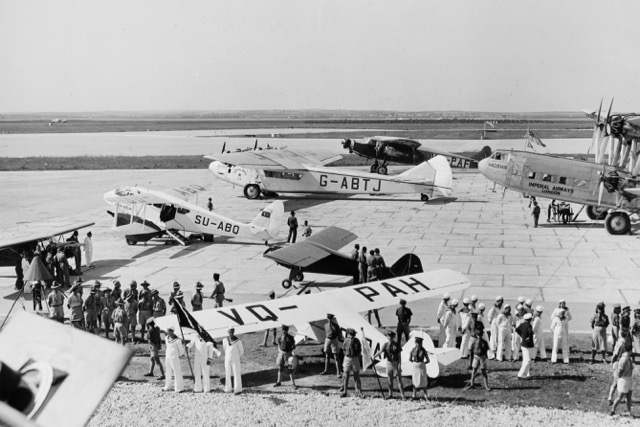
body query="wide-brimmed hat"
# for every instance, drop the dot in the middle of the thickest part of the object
(199, 285)
(176, 285)
(145, 284)
(154, 292)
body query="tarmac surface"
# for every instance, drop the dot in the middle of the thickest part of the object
(481, 233)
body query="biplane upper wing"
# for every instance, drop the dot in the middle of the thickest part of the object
(139, 195)
(314, 248)
(307, 308)
(277, 159)
(48, 234)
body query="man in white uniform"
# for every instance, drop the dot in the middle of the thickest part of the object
(538, 335)
(172, 362)
(233, 351)
(451, 325)
(560, 337)
(88, 249)
(202, 359)
(492, 316)
(442, 309)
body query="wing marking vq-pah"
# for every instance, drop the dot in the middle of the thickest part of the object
(308, 312)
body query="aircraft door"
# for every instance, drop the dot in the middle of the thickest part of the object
(167, 213)
(515, 169)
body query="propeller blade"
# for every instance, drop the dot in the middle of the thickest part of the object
(255, 146)
(224, 146)
(636, 167)
(624, 154)
(606, 122)
(599, 111)
(600, 192)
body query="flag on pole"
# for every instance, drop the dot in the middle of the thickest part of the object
(532, 138)
(186, 320)
(367, 354)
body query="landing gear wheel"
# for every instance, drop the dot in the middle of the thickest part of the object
(251, 191)
(286, 283)
(382, 170)
(130, 241)
(596, 213)
(299, 277)
(618, 223)
(424, 197)
(374, 168)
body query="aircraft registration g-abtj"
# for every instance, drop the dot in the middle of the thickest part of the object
(609, 192)
(407, 151)
(142, 214)
(301, 171)
(308, 312)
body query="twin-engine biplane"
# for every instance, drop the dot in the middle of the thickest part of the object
(142, 214)
(308, 312)
(319, 254)
(302, 171)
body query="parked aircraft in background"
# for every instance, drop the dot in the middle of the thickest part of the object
(319, 254)
(609, 192)
(387, 149)
(308, 312)
(302, 171)
(142, 214)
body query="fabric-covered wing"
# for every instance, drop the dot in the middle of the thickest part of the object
(308, 308)
(315, 248)
(277, 159)
(393, 141)
(139, 195)
(43, 235)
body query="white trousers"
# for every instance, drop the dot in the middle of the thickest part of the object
(201, 373)
(527, 354)
(516, 342)
(539, 345)
(441, 336)
(88, 255)
(504, 344)
(560, 343)
(232, 369)
(493, 341)
(173, 368)
(464, 343)
(450, 338)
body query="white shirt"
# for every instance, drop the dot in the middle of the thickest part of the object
(174, 348)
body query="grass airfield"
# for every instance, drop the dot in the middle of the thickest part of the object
(484, 235)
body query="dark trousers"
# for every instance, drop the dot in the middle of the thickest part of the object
(293, 233)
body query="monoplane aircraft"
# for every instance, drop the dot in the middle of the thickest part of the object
(302, 171)
(142, 214)
(609, 192)
(319, 254)
(308, 312)
(385, 149)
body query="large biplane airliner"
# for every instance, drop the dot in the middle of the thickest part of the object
(385, 149)
(319, 254)
(303, 171)
(308, 312)
(142, 214)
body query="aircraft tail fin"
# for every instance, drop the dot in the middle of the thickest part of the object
(406, 264)
(443, 179)
(267, 223)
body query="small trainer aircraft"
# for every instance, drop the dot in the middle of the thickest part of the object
(302, 171)
(308, 312)
(319, 254)
(385, 149)
(142, 214)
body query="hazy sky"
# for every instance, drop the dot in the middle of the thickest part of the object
(484, 55)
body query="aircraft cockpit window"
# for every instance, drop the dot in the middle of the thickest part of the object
(183, 211)
(562, 180)
(531, 175)
(496, 156)
(548, 177)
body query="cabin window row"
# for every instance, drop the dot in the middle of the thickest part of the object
(283, 175)
(556, 179)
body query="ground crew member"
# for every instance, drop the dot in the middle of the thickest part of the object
(481, 319)
(178, 298)
(635, 334)
(197, 298)
(355, 253)
(155, 343)
(75, 303)
(36, 295)
(117, 290)
(372, 276)
(492, 318)
(286, 345)
(63, 268)
(599, 324)
(615, 323)
(618, 349)
(419, 357)
(442, 309)
(145, 308)
(465, 318)
(91, 311)
(55, 301)
(88, 249)
(210, 204)
(77, 254)
(362, 265)
(272, 295)
(527, 306)
(133, 290)
(562, 305)
(174, 352)
(292, 222)
(352, 353)
(473, 303)
(625, 374)
(332, 344)
(625, 321)
(119, 318)
(233, 351)
(379, 264)
(159, 306)
(218, 291)
(131, 307)
(392, 353)
(451, 325)
(176, 289)
(108, 305)
(404, 314)
(560, 338)
(504, 324)
(306, 230)
(538, 335)
(479, 351)
(535, 212)
(525, 331)
(202, 359)
(518, 318)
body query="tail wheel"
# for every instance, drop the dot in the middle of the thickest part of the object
(130, 241)
(286, 283)
(618, 223)
(424, 197)
(299, 277)
(382, 170)
(596, 213)
(251, 191)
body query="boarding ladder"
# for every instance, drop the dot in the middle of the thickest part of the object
(175, 235)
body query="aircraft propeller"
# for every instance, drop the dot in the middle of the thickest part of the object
(224, 146)
(255, 146)
(616, 138)
(346, 143)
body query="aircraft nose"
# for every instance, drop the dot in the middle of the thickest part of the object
(482, 166)
(213, 167)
